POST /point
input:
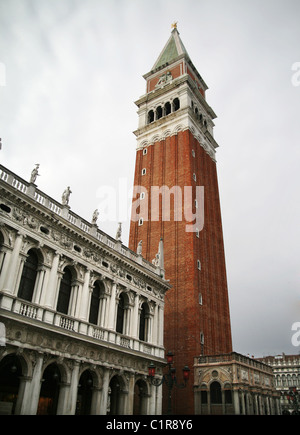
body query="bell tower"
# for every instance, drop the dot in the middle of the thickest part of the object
(176, 199)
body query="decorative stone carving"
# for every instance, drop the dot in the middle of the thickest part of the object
(34, 173)
(164, 79)
(95, 217)
(119, 232)
(66, 196)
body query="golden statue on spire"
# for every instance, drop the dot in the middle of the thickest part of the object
(174, 25)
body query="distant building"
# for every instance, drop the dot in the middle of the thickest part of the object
(286, 369)
(234, 384)
(81, 315)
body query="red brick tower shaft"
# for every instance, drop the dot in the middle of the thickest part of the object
(177, 199)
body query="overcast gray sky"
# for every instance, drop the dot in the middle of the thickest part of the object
(70, 71)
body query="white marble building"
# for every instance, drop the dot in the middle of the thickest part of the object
(81, 315)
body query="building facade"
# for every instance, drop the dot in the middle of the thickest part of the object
(233, 384)
(81, 315)
(286, 370)
(176, 198)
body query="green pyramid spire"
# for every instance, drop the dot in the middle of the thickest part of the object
(173, 49)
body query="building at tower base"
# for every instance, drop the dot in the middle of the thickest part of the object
(233, 384)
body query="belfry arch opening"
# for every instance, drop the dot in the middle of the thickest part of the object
(163, 110)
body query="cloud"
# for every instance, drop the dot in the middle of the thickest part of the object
(74, 70)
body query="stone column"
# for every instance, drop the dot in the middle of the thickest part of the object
(5, 256)
(10, 279)
(34, 394)
(135, 318)
(130, 397)
(85, 297)
(160, 326)
(39, 284)
(104, 395)
(96, 401)
(73, 388)
(155, 331)
(52, 283)
(23, 395)
(112, 308)
(236, 402)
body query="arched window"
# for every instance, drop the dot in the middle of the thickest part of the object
(150, 116)
(120, 314)
(85, 393)
(143, 329)
(64, 292)
(176, 104)
(98, 291)
(167, 108)
(140, 398)
(159, 113)
(215, 393)
(28, 277)
(10, 376)
(50, 389)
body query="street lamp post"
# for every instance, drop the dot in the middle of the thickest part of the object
(169, 379)
(293, 397)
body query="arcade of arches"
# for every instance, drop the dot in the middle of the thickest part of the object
(43, 385)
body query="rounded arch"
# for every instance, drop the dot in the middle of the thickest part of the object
(29, 275)
(12, 369)
(215, 393)
(65, 289)
(144, 144)
(176, 104)
(38, 252)
(122, 306)
(85, 393)
(155, 138)
(150, 118)
(96, 374)
(50, 389)
(159, 112)
(141, 394)
(64, 370)
(167, 133)
(167, 108)
(95, 303)
(144, 320)
(117, 391)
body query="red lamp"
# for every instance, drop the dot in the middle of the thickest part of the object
(186, 373)
(151, 369)
(170, 357)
